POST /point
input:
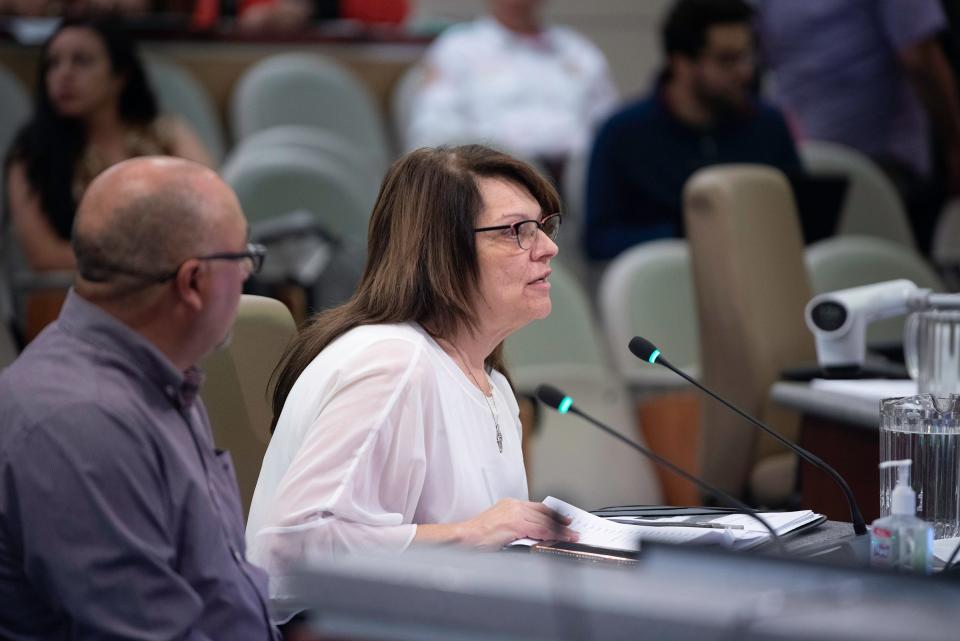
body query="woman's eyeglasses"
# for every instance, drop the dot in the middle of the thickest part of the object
(525, 231)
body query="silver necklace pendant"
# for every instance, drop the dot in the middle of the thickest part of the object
(491, 402)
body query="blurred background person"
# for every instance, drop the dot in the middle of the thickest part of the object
(125, 8)
(30, 8)
(872, 76)
(94, 108)
(509, 80)
(702, 111)
(289, 15)
(395, 420)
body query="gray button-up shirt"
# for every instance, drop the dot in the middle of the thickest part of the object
(118, 518)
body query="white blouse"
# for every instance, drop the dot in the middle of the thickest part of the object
(380, 432)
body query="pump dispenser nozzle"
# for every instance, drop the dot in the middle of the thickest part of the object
(904, 499)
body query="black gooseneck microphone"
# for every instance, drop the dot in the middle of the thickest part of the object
(552, 397)
(647, 351)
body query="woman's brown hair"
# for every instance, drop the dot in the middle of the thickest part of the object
(421, 253)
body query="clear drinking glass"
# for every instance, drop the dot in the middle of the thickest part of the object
(931, 344)
(925, 429)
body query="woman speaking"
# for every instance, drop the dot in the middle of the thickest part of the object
(395, 420)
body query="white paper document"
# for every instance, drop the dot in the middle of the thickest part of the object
(738, 531)
(592, 530)
(942, 549)
(745, 531)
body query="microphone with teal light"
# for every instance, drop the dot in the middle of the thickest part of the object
(647, 351)
(556, 399)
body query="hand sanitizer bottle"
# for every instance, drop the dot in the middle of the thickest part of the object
(902, 541)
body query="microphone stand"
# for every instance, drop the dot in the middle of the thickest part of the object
(859, 526)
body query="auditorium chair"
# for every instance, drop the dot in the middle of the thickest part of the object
(236, 391)
(648, 291)
(180, 93)
(364, 168)
(872, 206)
(850, 261)
(946, 244)
(312, 90)
(277, 180)
(751, 287)
(16, 110)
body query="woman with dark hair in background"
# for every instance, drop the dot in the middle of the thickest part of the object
(395, 421)
(93, 109)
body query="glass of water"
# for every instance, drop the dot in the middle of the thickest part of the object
(925, 429)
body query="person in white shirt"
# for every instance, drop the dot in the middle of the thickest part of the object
(395, 420)
(510, 81)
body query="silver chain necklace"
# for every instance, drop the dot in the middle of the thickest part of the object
(491, 402)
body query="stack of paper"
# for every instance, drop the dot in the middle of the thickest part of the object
(738, 531)
(744, 531)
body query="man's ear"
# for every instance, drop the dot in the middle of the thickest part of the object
(187, 283)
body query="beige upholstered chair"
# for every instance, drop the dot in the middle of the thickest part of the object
(236, 389)
(751, 287)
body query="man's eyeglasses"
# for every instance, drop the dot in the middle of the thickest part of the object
(254, 256)
(525, 231)
(731, 59)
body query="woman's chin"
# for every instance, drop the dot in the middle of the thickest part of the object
(541, 311)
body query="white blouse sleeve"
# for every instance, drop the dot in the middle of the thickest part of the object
(357, 476)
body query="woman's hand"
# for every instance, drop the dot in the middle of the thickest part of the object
(503, 523)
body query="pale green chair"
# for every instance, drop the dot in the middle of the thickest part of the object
(181, 94)
(365, 170)
(15, 108)
(872, 206)
(311, 90)
(648, 291)
(850, 261)
(946, 244)
(278, 180)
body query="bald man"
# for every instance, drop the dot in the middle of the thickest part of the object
(118, 518)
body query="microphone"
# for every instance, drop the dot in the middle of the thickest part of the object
(647, 351)
(559, 401)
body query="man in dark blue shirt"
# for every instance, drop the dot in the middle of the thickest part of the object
(118, 519)
(702, 112)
